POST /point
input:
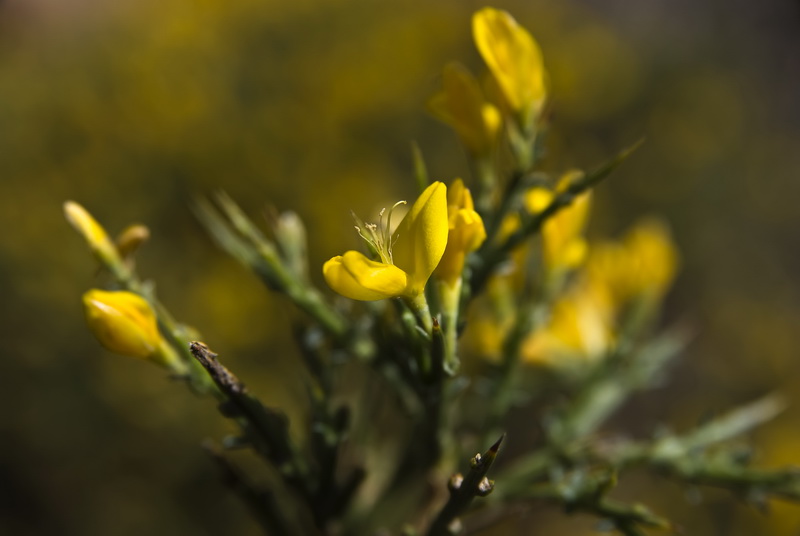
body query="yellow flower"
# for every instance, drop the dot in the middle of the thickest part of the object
(408, 257)
(461, 105)
(466, 232)
(643, 265)
(515, 60)
(123, 322)
(577, 328)
(656, 257)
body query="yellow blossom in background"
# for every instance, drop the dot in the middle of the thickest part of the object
(514, 59)
(461, 105)
(655, 257)
(124, 323)
(642, 265)
(466, 232)
(408, 256)
(577, 328)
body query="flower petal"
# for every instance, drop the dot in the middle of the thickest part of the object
(421, 238)
(356, 277)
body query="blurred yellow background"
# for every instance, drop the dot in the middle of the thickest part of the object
(133, 108)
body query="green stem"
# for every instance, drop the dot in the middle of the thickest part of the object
(419, 306)
(450, 296)
(307, 298)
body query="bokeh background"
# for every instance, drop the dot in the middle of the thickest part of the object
(132, 108)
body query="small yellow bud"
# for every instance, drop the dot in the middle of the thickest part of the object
(130, 239)
(94, 234)
(466, 232)
(124, 323)
(537, 199)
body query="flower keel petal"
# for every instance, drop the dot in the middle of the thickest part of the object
(356, 277)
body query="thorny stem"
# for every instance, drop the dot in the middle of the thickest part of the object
(464, 489)
(267, 429)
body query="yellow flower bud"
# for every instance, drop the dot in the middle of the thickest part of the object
(466, 232)
(130, 239)
(537, 199)
(124, 323)
(94, 234)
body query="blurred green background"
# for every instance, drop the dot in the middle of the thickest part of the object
(133, 108)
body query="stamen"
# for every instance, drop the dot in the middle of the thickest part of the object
(366, 239)
(379, 236)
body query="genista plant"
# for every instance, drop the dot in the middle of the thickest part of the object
(485, 297)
